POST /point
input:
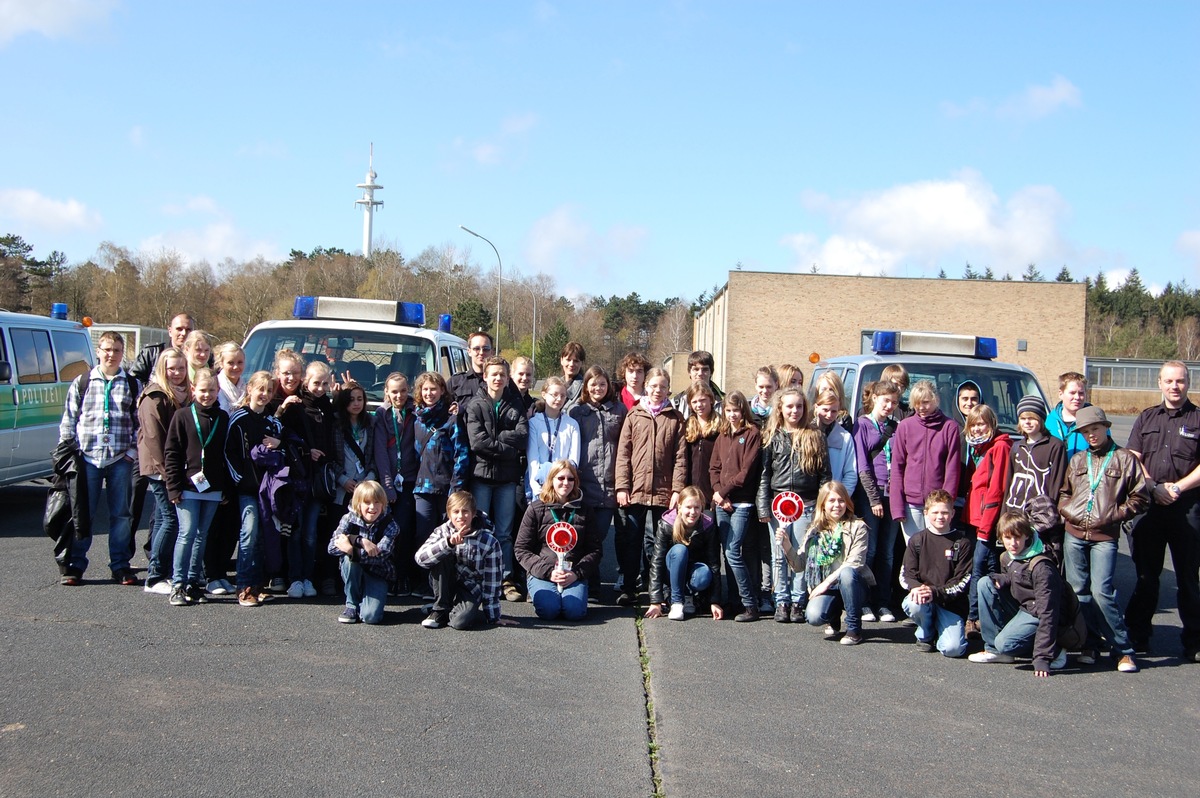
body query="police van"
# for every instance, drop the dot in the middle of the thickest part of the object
(945, 360)
(39, 357)
(367, 339)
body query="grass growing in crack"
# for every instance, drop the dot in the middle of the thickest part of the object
(652, 747)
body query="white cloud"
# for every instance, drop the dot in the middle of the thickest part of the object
(934, 224)
(211, 235)
(490, 150)
(198, 204)
(1188, 244)
(560, 243)
(212, 242)
(50, 18)
(28, 207)
(1034, 102)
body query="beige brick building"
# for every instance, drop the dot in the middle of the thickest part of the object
(763, 317)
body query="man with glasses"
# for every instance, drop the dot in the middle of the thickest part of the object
(101, 419)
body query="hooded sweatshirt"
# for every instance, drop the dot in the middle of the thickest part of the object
(925, 456)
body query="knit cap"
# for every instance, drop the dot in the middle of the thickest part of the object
(1032, 404)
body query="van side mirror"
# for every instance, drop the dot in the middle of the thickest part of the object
(5, 371)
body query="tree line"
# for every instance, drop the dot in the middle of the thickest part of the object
(119, 285)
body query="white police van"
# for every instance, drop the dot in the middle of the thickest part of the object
(945, 360)
(39, 357)
(366, 338)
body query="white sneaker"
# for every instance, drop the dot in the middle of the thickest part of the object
(296, 589)
(1059, 661)
(676, 613)
(886, 616)
(689, 606)
(990, 657)
(217, 587)
(162, 587)
(829, 631)
(868, 614)
(309, 590)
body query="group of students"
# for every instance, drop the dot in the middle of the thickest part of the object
(459, 494)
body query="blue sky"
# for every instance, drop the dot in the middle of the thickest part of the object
(617, 146)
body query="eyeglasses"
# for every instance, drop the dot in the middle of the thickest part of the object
(481, 349)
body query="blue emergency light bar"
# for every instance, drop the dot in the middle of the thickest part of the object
(444, 323)
(895, 342)
(378, 310)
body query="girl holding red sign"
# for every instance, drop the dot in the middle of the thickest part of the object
(796, 461)
(556, 548)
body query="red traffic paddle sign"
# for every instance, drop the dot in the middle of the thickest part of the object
(787, 507)
(561, 537)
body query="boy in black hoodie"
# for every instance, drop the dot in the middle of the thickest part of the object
(937, 575)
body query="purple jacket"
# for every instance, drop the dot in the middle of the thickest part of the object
(924, 458)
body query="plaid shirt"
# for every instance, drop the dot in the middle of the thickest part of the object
(84, 422)
(479, 559)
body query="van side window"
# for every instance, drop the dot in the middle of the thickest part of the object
(3, 350)
(35, 360)
(73, 351)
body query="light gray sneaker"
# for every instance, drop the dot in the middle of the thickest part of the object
(868, 614)
(162, 587)
(992, 657)
(217, 587)
(1060, 661)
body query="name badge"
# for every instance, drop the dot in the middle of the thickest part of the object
(106, 439)
(1190, 434)
(200, 481)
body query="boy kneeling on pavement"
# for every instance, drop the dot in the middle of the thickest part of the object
(1019, 607)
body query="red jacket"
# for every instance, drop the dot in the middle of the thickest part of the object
(987, 480)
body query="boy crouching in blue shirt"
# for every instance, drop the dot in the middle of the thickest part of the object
(1019, 607)
(466, 568)
(363, 541)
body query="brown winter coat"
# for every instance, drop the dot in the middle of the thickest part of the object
(652, 458)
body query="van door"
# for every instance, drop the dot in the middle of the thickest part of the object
(39, 400)
(8, 409)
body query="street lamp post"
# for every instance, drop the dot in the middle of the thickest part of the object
(533, 299)
(499, 280)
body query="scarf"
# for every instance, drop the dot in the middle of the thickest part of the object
(232, 391)
(653, 409)
(1032, 550)
(181, 393)
(825, 552)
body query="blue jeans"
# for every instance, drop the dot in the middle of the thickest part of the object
(913, 521)
(987, 561)
(302, 544)
(694, 577)
(881, 548)
(164, 530)
(849, 595)
(117, 479)
(499, 501)
(734, 527)
(550, 605)
(938, 623)
(1005, 627)
(364, 592)
(1091, 566)
(195, 516)
(249, 555)
(789, 585)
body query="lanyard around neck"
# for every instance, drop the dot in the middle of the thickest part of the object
(204, 442)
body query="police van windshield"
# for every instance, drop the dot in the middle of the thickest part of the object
(1001, 389)
(365, 357)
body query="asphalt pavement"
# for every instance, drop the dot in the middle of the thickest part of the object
(109, 691)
